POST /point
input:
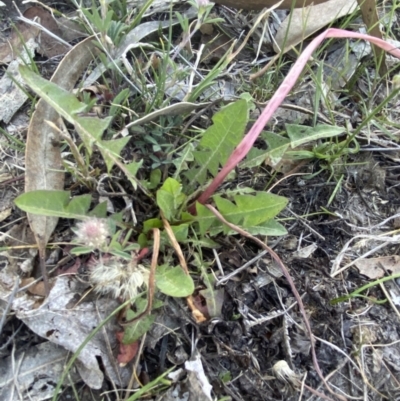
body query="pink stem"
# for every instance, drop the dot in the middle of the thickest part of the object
(247, 142)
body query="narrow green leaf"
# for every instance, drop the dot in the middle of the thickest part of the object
(132, 169)
(300, 134)
(174, 281)
(81, 250)
(46, 203)
(64, 99)
(114, 146)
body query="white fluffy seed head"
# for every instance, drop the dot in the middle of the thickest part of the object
(284, 373)
(120, 279)
(93, 232)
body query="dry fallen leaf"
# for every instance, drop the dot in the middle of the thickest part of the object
(39, 369)
(65, 321)
(49, 46)
(12, 96)
(375, 268)
(304, 22)
(44, 169)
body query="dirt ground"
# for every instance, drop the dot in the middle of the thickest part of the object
(332, 231)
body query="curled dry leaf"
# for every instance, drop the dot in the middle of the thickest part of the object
(126, 351)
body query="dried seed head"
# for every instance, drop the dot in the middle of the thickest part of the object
(284, 373)
(118, 278)
(93, 232)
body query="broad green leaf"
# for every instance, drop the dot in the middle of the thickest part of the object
(54, 203)
(204, 217)
(300, 134)
(64, 99)
(180, 232)
(166, 202)
(134, 167)
(270, 228)
(90, 129)
(259, 208)
(150, 224)
(137, 329)
(155, 178)
(174, 281)
(170, 198)
(219, 140)
(277, 146)
(246, 211)
(254, 158)
(249, 210)
(79, 205)
(99, 210)
(46, 203)
(142, 241)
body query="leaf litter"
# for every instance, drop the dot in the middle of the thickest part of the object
(255, 324)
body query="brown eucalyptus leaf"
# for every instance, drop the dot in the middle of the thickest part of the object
(260, 4)
(44, 169)
(303, 23)
(49, 46)
(13, 46)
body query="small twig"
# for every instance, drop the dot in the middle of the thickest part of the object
(303, 221)
(292, 286)
(175, 244)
